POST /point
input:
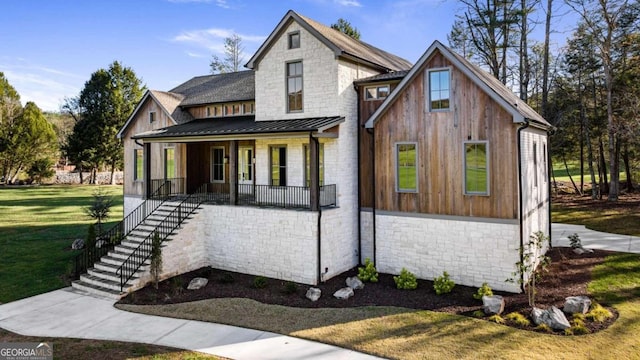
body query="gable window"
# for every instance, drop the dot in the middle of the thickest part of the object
(278, 162)
(138, 165)
(406, 161)
(294, 86)
(376, 92)
(307, 165)
(217, 164)
(152, 116)
(293, 40)
(439, 89)
(476, 168)
(169, 163)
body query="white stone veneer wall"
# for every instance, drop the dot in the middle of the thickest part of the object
(366, 235)
(472, 252)
(131, 202)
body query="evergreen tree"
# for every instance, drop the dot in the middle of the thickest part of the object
(345, 27)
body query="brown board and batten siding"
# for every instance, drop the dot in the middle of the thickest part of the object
(474, 116)
(367, 108)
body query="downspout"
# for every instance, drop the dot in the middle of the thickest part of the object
(359, 175)
(520, 191)
(373, 185)
(317, 191)
(550, 132)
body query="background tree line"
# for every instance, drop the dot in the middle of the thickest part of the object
(588, 90)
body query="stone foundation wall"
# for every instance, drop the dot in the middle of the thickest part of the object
(102, 178)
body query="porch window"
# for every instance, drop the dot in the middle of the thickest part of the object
(217, 165)
(278, 161)
(138, 164)
(169, 163)
(476, 168)
(294, 86)
(406, 165)
(307, 165)
(439, 89)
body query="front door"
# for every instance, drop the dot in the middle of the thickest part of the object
(245, 165)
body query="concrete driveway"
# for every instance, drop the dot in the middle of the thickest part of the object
(594, 239)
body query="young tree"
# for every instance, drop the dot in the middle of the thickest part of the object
(345, 27)
(233, 56)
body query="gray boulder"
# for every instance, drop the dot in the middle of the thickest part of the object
(354, 283)
(493, 304)
(552, 317)
(579, 250)
(343, 293)
(313, 294)
(197, 283)
(576, 304)
(77, 244)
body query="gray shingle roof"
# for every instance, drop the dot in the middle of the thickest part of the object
(237, 86)
(171, 103)
(394, 75)
(238, 125)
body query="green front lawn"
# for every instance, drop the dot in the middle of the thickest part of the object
(37, 226)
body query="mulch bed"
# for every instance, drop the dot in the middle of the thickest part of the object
(568, 275)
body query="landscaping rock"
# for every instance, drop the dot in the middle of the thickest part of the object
(77, 244)
(576, 304)
(197, 283)
(355, 283)
(552, 317)
(313, 294)
(493, 304)
(343, 293)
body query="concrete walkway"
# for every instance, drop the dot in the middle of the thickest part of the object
(75, 314)
(594, 239)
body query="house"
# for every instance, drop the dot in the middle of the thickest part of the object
(326, 151)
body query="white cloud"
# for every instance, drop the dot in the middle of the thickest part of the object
(195, 55)
(223, 4)
(213, 39)
(354, 3)
(189, 1)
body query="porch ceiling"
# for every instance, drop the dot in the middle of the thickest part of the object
(239, 127)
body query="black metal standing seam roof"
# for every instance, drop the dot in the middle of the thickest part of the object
(208, 89)
(394, 75)
(237, 125)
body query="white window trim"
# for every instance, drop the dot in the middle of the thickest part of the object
(464, 168)
(377, 87)
(428, 90)
(164, 162)
(213, 148)
(395, 161)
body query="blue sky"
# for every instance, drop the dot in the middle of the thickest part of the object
(49, 48)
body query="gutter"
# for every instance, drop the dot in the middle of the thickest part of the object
(359, 175)
(373, 185)
(317, 191)
(520, 191)
(550, 132)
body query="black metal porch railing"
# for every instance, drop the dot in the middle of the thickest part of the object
(287, 197)
(166, 227)
(167, 187)
(107, 240)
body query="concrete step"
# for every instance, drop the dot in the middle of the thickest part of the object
(98, 290)
(108, 275)
(100, 282)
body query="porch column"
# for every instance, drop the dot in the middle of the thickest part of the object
(146, 161)
(233, 172)
(314, 174)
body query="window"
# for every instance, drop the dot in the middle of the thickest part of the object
(376, 92)
(278, 165)
(439, 89)
(307, 165)
(152, 116)
(217, 110)
(228, 110)
(138, 164)
(406, 161)
(544, 162)
(217, 164)
(247, 108)
(169, 163)
(476, 169)
(294, 86)
(535, 164)
(208, 111)
(294, 40)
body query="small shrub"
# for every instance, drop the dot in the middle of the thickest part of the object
(368, 272)
(543, 328)
(496, 319)
(574, 241)
(598, 313)
(518, 319)
(442, 284)
(259, 282)
(226, 278)
(484, 290)
(290, 288)
(406, 280)
(568, 331)
(577, 322)
(478, 314)
(580, 329)
(579, 316)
